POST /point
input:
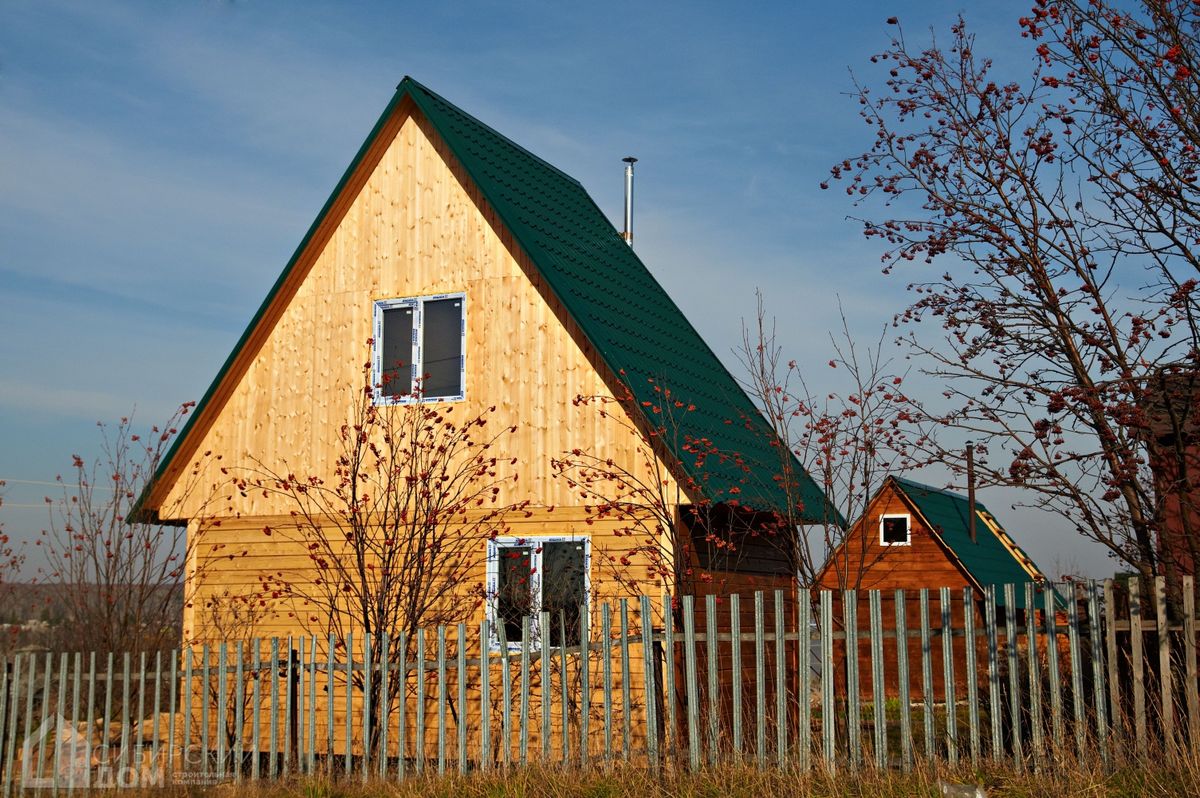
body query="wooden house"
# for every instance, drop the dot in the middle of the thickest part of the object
(1173, 417)
(447, 240)
(914, 536)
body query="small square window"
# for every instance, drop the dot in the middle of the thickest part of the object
(894, 530)
(419, 349)
(529, 576)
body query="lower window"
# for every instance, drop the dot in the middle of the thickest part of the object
(529, 576)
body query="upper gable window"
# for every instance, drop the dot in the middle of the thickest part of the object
(419, 349)
(895, 530)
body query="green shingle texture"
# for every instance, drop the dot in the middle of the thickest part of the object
(636, 329)
(989, 560)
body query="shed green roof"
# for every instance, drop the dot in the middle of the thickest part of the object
(636, 329)
(992, 559)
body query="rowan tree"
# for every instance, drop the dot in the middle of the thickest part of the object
(659, 508)
(1063, 208)
(848, 441)
(12, 558)
(120, 577)
(396, 533)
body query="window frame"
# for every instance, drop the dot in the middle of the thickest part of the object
(907, 529)
(417, 303)
(536, 545)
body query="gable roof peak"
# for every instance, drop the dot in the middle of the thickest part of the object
(637, 331)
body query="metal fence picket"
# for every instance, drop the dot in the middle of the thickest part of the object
(1025, 711)
(760, 681)
(1093, 597)
(689, 654)
(650, 690)
(903, 676)
(1055, 685)
(780, 684)
(927, 673)
(1014, 673)
(828, 704)
(1035, 676)
(711, 651)
(626, 687)
(878, 695)
(948, 675)
(971, 643)
(993, 666)
(853, 681)
(804, 691)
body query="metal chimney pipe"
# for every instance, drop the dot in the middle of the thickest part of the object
(628, 234)
(971, 491)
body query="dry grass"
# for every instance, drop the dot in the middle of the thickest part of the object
(730, 782)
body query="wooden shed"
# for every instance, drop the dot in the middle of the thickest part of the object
(915, 537)
(500, 267)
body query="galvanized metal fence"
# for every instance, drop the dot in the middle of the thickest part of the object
(1034, 677)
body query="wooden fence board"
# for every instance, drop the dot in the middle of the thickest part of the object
(1189, 650)
(1138, 666)
(1094, 635)
(1166, 701)
(1116, 712)
(1077, 698)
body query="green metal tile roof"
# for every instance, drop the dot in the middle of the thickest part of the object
(989, 560)
(638, 332)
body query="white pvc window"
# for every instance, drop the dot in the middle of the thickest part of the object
(895, 530)
(420, 349)
(528, 576)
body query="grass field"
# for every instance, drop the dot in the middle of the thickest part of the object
(1181, 779)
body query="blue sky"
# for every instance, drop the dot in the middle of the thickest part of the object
(159, 162)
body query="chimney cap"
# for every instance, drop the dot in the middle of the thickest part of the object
(630, 159)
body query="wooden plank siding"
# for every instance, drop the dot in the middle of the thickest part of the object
(416, 227)
(862, 563)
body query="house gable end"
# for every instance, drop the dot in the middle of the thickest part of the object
(617, 307)
(416, 226)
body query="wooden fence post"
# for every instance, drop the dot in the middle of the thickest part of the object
(1139, 673)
